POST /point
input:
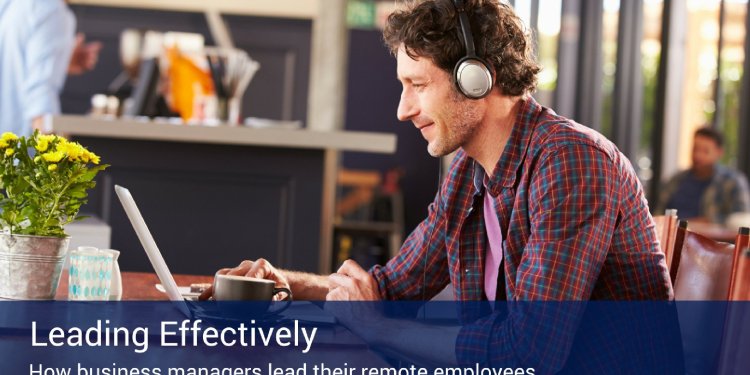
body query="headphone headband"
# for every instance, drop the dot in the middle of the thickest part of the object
(463, 20)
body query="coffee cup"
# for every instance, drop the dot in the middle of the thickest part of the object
(242, 288)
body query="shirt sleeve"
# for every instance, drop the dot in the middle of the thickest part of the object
(572, 207)
(47, 57)
(420, 269)
(740, 194)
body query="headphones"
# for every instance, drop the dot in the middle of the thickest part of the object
(472, 75)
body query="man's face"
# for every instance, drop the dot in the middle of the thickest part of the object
(705, 152)
(446, 119)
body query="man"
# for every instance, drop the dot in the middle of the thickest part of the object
(707, 191)
(38, 46)
(534, 207)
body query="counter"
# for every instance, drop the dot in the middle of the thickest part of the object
(228, 135)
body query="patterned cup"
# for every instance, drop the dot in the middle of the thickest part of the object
(90, 274)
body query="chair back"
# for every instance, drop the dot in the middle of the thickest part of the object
(679, 240)
(739, 285)
(666, 229)
(733, 358)
(708, 270)
(703, 268)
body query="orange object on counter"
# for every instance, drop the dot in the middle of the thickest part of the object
(185, 78)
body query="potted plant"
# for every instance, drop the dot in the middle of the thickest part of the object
(43, 182)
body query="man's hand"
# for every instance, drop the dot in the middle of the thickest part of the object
(352, 283)
(260, 269)
(84, 56)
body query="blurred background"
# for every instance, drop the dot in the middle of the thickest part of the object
(645, 73)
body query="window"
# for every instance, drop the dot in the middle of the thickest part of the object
(650, 54)
(609, 53)
(727, 115)
(547, 36)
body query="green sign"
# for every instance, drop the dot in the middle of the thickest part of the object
(360, 14)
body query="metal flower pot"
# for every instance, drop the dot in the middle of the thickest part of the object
(30, 266)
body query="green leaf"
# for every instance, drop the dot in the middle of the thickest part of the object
(91, 173)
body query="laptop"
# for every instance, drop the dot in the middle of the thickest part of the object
(152, 251)
(306, 312)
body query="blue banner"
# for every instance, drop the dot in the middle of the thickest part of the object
(368, 338)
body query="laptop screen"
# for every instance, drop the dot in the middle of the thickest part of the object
(148, 243)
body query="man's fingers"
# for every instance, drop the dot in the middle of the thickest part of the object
(92, 54)
(338, 280)
(240, 270)
(352, 269)
(207, 293)
(245, 264)
(337, 294)
(262, 269)
(94, 46)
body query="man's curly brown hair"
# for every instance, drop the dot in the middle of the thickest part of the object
(430, 29)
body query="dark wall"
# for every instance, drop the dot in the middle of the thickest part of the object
(282, 46)
(373, 93)
(210, 206)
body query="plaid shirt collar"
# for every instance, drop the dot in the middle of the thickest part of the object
(506, 169)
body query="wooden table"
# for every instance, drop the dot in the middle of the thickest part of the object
(139, 286)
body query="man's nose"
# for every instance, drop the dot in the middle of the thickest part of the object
(406, 107)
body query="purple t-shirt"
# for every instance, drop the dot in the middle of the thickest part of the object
(495, 250)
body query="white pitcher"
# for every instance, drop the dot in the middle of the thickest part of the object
(115, 288)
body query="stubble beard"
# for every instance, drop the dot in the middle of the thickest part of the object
(460, 121)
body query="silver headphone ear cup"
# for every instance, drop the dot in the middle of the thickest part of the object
(473, 78)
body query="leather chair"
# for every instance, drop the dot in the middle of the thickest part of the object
(702, 270)
(702, 267)
(735, 341)
(739, 286)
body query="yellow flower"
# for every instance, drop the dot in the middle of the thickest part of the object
(89, 156)
(46, 137)
(41, 145)
(8, 136)
(74, 150)
(53, 157)
(3, 144)
(52, 167)
(9, 152)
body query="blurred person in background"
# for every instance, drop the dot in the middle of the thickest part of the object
(707, 191)
(38, 48)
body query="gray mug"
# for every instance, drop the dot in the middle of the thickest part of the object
(243, 288)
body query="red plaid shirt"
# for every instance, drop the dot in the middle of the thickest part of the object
(576, 226)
